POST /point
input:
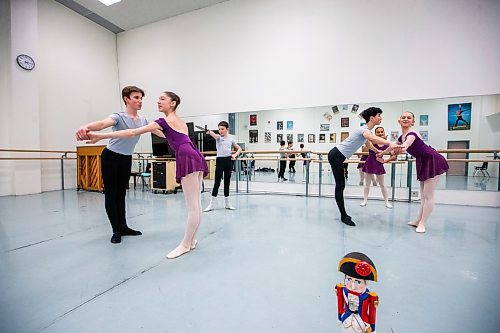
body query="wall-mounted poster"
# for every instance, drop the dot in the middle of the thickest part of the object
(355, 108)
(300, 137)
(394, 136)
(279, 125)
(324, 127)
(333, 137)
(289, 125)
(424, 135)
(279, 138)
(267, 137)
(253, 120)
(343, 136)
(289, 138)
(344, 122)
(310, 138)
(424, 120)
(253, 136)
(327, 116)
(322, 138)
(459, 116)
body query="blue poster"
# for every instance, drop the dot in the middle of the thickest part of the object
(459, 116)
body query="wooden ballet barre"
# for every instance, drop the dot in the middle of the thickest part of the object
(36, 158)
(472, 160)
(37, 151)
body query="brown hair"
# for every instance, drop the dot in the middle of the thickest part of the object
(128, 90)
(174, 97)
(224, 124)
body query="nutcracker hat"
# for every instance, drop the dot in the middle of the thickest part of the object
(359, 266)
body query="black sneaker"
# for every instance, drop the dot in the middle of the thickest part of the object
(116, 238)
(131, 232)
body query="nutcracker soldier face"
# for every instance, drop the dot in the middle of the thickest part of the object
(355, 285)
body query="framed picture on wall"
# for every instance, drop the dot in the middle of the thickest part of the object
(424, 135)
(459, 116)
(310, 138)
(333, 137)
(322, 138)
(355, 108)
(253, 136)
(344, 122)
(324, 127)
(279, 138)
(289, 125)
(343, 136)
(289, 138)
(267, 137)
(300, 137)
(424, 120)
(394, 135)
(253, 120)
(279, 125)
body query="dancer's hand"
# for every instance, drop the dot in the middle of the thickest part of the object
(380, 160)
(81, 133)
(93, 137)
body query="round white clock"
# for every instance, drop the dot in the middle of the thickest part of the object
(25, 62)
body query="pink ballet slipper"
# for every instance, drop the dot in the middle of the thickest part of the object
(177, 252)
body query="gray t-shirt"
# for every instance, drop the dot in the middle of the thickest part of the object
(353, 141)
(224, 145)
(123, 121)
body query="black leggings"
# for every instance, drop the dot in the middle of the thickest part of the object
(281, 173)
(115, 169)
(336, 160)
(223, 165)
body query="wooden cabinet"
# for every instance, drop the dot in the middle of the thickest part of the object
(89, 168)
(163, 176)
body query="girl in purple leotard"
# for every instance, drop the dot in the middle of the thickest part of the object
(430, 165)
(190, 164)
(374, 167)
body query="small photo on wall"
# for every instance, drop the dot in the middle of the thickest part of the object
(322, 138)
(310, 138)
(279, 125)
(267, 137)
(253, 136)
(289, 138)
(253, 120)
(324, 127)
(343, 136)
(424, 135)
(289, 125)
(300, 137)
(344, 122)
(424, 120)
(459, 116)
(279, 138)
(394, 136)
(333, 137)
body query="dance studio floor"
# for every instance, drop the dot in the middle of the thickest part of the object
(269, 266)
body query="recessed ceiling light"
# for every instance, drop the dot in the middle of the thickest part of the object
(109, 2)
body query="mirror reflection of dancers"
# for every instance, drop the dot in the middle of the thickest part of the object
(374, 167)
(224, 163)
(190, 164)
(345, 149)
(363, 158)
(116, 159)
(430, 165)
(459, 116)
(305, 163)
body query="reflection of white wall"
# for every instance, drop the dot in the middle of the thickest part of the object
(244, 55)
(308, 120)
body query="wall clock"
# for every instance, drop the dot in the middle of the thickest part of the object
(25, 62)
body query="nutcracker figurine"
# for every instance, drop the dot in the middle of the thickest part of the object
(356, 304)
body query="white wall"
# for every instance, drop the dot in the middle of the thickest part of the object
(245, 55)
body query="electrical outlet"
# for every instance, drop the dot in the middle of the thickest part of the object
(414, 194)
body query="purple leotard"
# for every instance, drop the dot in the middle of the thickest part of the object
(429, 162)
(362, 158)
(372, 166)
(188, 159)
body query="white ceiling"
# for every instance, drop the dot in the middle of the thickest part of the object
(129, 14)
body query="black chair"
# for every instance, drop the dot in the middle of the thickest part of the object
(483, 169)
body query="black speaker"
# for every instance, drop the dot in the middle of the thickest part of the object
(160, 147)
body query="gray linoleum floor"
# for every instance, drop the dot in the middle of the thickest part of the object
(269, 266)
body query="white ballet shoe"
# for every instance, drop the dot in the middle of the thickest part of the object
(228, 204)
(193, 246)
(211, 205)
(363, 204)
(388, 205)
(413, 224)
(177, 252)
(420, 229)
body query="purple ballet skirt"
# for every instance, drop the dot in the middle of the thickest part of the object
(188, 159)
(372, 166)
(429, 162)
(362, 158)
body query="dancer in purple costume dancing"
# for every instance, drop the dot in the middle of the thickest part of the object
(190, 164)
